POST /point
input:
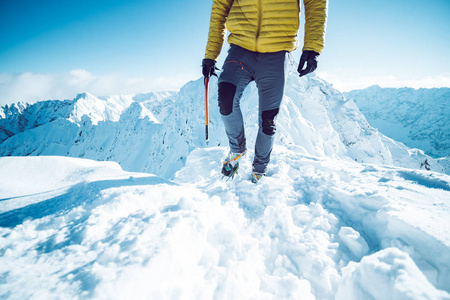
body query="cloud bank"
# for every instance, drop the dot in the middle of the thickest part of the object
(31, 87)
(348, 82)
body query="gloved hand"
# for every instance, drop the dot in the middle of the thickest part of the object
(310, 57)
(208, 67)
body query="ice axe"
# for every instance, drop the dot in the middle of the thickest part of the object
(209, 69)
(206, 110)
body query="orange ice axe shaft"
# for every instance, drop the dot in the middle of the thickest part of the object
(206, 109)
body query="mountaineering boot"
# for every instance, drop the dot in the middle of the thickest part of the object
(256, 176)
(231, 165)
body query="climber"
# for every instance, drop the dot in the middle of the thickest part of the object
(262, 33)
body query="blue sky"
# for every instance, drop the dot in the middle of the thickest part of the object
(51, 48)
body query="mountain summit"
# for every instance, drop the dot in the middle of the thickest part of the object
(418, 118)
(343, 213)
(314, 116)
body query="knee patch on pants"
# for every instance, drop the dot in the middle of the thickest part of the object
(226, 96)
(268, 121)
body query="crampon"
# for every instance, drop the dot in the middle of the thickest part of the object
(231, 165)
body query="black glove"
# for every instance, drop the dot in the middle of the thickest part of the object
(208, 67)
(310, 57)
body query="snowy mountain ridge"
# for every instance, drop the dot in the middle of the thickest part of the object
(156, 132)
(418, 118)
(344, 212)
(19, 117)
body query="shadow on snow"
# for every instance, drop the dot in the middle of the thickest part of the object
(79, 194)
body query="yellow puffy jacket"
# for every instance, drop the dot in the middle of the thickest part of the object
(265, 25)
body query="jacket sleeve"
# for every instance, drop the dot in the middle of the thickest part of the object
(217, 30)
(315, 23)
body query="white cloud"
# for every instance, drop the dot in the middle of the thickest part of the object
(348, 82)
(32, 87)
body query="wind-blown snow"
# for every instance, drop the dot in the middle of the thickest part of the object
(314, 228)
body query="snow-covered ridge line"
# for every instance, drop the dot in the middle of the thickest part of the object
(419, 118)
(19, 117)
(156, 132)
(343, 213)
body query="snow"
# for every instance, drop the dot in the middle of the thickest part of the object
(445, 163)
(351, 239)
(418, 118)
(344, 212)
(156, 132)
(314, 228)
(387, 274)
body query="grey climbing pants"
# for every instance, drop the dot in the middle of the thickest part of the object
(268, 70)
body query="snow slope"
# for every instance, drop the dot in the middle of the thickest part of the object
(19, 117)
(344, 213)
(418, 118)
(155, 132)
(314, 228)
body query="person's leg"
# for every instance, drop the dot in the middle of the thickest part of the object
(235, 77)
(270, 79)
